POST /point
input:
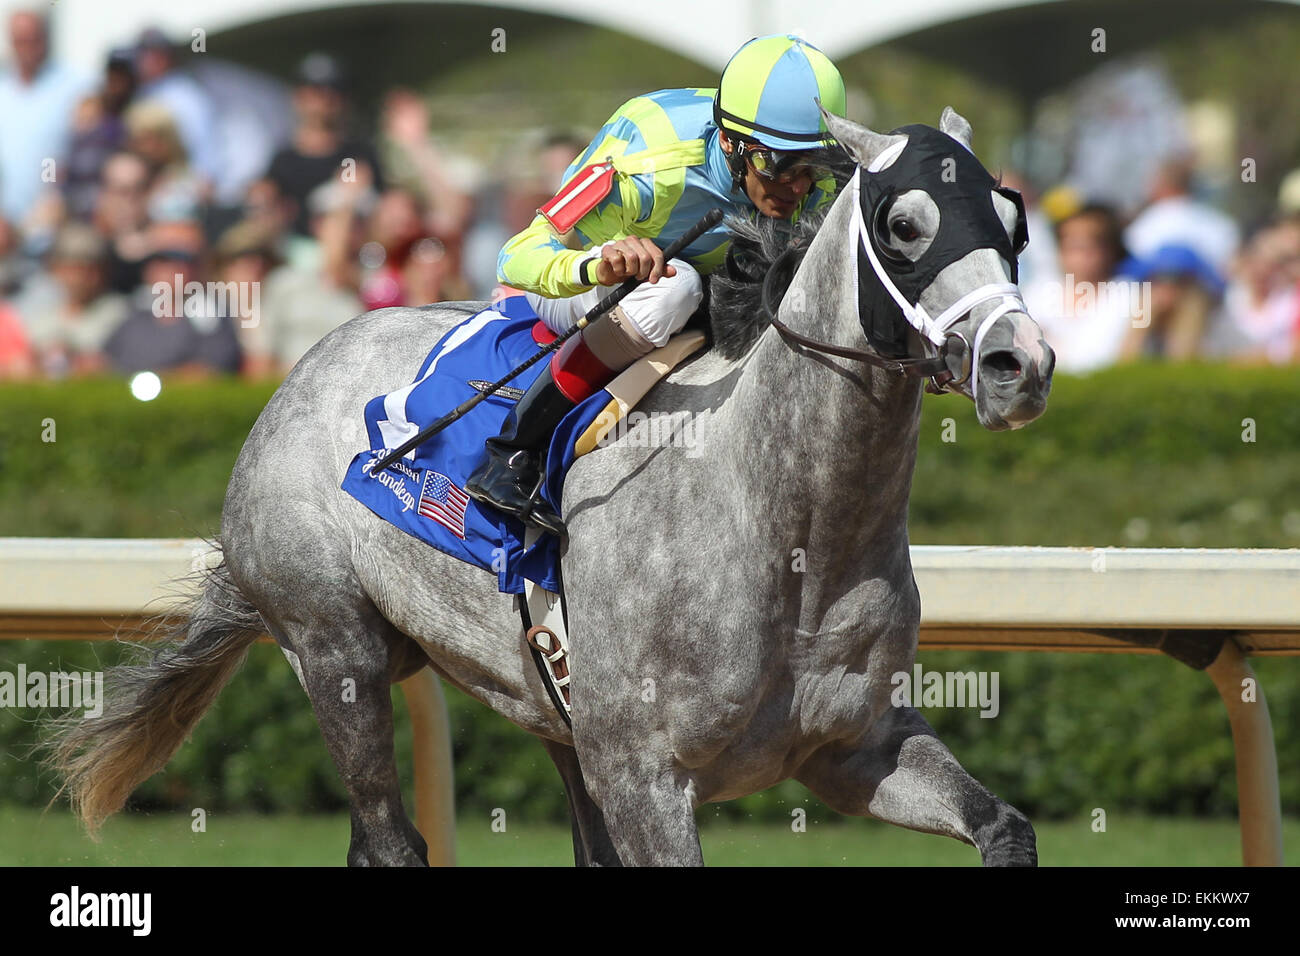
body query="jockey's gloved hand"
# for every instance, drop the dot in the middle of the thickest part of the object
(630, 258)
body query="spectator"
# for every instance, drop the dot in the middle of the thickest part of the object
(340, 212)
(1126, 118)
(36, 103)
(555, 156)
(176, 192)
(430, 268)
(67, 312)
(121, 216)
(1181, 290)
(405, 263)
(1261, 313)
(182, 97)
(16, 359)
(1084, 312)
(320, 146)
(1175, 218)
(509, 205)
(302, 303)
(488, 232)
(193, 340)
(246, 254)
(98, 132)
(427, 174)
(15, 268)
(119, 82)
(433, 272)
(396, 225)
(1181, 247)
(271, 211)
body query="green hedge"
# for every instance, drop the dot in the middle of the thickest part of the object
(1150, 455)
(1162, 444)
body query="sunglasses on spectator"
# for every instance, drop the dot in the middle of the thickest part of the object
(173, 255)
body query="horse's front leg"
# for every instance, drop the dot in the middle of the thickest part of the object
(646, 802)
(649, 814)
(900, 772)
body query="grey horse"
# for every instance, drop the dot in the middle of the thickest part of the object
(736, 611)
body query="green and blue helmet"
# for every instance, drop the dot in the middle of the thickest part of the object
(770, 89)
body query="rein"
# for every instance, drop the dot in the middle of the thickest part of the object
(926, 367)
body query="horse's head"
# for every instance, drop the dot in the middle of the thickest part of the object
(940, 236)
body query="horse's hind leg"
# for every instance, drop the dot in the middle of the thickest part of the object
(349, 656)
(902, 773)
(591, 843)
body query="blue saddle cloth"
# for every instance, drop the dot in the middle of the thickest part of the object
(424, 493)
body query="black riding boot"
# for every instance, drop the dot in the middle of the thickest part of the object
(508, 475)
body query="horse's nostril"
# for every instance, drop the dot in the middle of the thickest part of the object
(1002, 361)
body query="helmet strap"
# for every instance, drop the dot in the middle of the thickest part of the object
(736, 162)
(736, 158)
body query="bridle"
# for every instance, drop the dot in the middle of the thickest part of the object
(937, 332)
(933, 367)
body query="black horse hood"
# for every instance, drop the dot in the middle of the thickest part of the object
(962, 188)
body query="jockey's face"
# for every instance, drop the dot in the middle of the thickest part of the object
(774, 199)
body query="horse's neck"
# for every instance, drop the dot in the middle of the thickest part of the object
(827, 445)
(841, 435)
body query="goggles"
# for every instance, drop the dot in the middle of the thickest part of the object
(783, 166)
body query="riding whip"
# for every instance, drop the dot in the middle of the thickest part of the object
(710, 219)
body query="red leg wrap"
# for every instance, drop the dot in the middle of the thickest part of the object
(576, 371)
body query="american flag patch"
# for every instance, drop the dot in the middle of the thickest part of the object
(443, 502)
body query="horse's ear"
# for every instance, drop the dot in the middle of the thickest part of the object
(862, 144)
(956, 126)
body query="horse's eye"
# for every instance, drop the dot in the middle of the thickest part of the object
(904, 230)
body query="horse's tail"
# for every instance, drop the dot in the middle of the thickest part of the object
(152, 703)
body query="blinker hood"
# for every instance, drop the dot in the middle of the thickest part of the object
(963, 191)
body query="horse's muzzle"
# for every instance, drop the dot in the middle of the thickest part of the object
(1014, 383)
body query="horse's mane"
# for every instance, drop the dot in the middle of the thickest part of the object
(736, 313)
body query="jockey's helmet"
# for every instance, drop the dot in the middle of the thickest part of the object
(769, 93)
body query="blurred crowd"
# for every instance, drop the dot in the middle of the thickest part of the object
(125, 245)
(1178, 280)
(138, 233)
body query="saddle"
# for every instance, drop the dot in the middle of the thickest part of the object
(423, 493)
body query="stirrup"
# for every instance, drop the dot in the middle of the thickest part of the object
(554, 650)
(528, 514)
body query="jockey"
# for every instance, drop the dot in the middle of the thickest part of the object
(756, 145)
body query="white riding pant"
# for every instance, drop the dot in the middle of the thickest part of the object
(654, 311)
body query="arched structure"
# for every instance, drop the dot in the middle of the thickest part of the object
(1024, 44)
